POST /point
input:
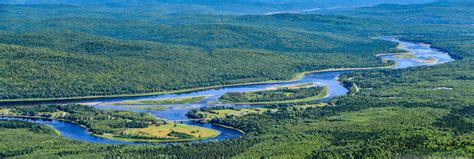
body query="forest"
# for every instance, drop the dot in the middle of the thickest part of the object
(396, 113)
(51, 55)
(221, 7)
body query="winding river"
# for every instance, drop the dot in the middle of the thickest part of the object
(421, 54)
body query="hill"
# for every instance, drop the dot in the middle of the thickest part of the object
(70, 51)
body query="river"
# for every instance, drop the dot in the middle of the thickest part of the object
(421, 55)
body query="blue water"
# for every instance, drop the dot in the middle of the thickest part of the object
(422, 52)
(68, 130)
(75, 132)
(177, 111)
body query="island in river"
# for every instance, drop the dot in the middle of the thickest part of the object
(279, 95)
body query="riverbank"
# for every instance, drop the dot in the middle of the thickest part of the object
(46, 118)
(229, 127)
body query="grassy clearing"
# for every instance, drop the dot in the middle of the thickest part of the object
(162, 133)
(179, 100)
(5, 111)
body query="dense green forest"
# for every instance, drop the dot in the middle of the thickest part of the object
(396, 113)
(66, 51)
(234, 7)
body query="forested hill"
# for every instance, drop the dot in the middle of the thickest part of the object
(434, 13)
(235, 7)
(448, 26)
(69, 51)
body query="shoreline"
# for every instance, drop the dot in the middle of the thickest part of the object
(295, 77)
(229, 127)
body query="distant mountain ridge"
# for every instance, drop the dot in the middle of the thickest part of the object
(211, 1)
(238, 7)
